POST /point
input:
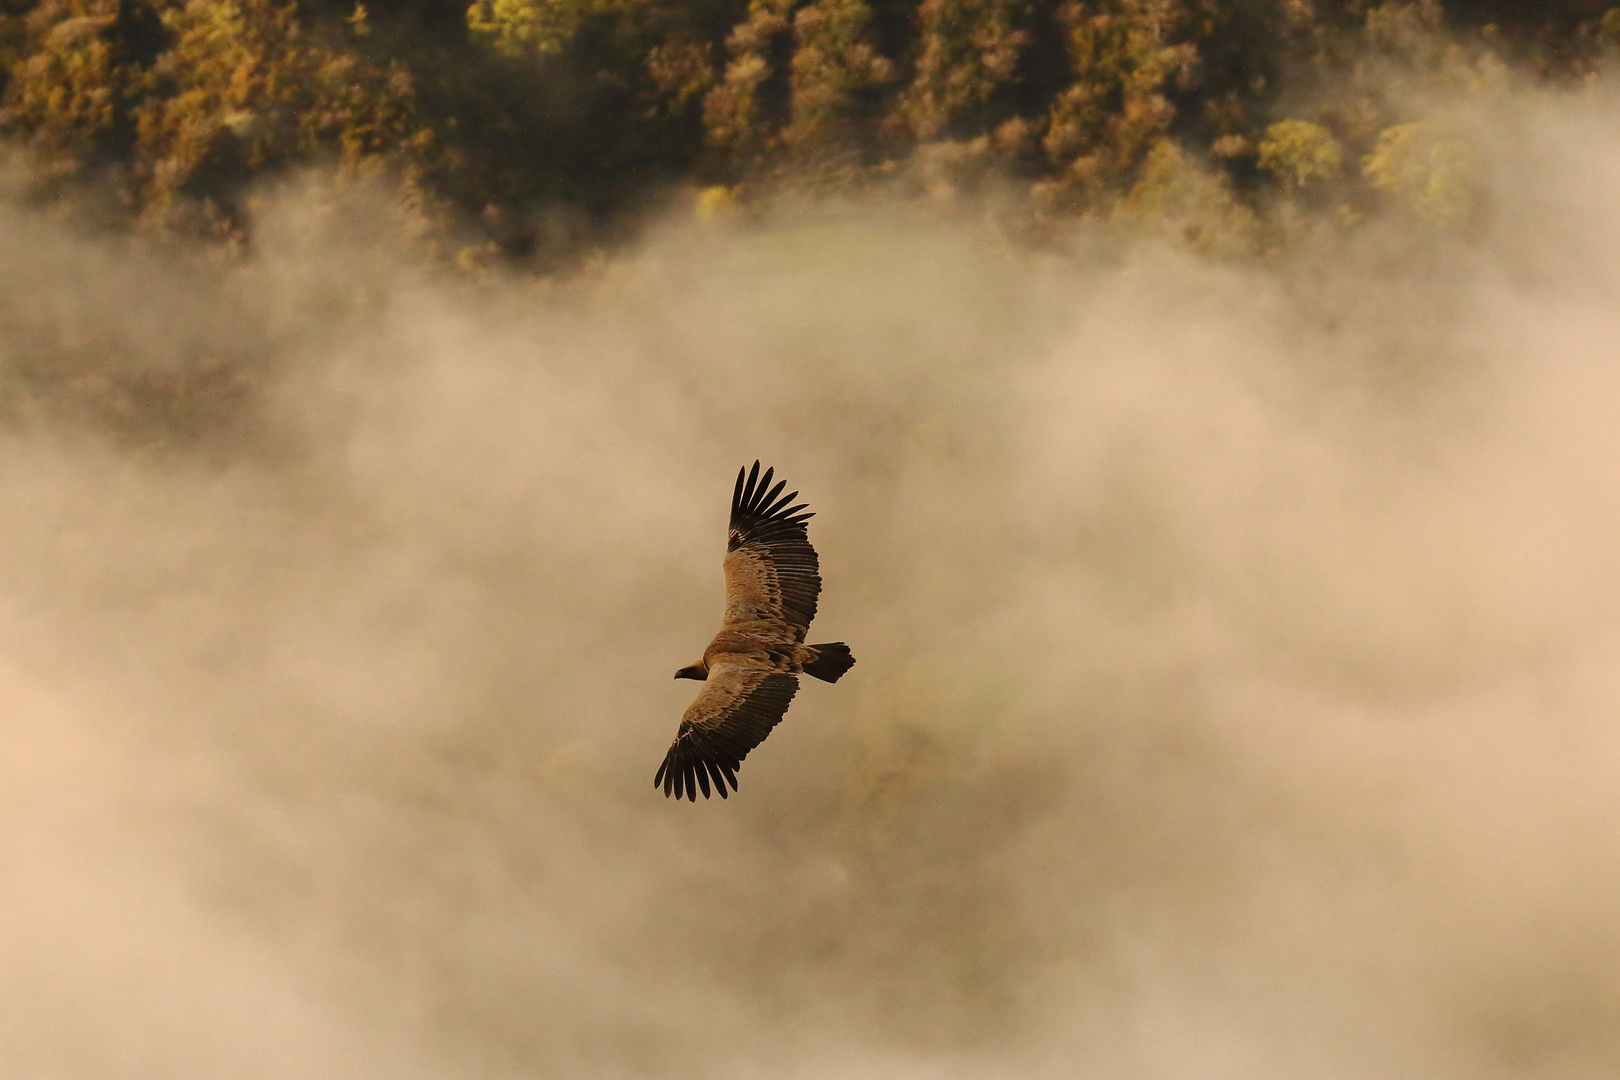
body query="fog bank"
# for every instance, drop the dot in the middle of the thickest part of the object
(1239, 651)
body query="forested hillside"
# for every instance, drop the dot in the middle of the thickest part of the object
(513, 129)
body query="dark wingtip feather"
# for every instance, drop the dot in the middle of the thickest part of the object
(744, 491)
(719, 780)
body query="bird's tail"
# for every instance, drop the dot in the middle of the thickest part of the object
(832, 660)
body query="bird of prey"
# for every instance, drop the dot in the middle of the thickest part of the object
(750, 670)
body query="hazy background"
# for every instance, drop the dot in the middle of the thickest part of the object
(1239, 651)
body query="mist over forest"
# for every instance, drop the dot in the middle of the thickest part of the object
(530, 133)
(1209, 414)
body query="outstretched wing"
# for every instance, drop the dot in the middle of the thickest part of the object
(771, 570)
(736, 710)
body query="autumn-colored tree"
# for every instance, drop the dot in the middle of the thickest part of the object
(837, 77)
(744, 114)
(970, 55)
(1301, 153)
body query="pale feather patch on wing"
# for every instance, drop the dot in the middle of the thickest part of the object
(735, 711)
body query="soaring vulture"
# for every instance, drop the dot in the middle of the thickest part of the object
(750, 670)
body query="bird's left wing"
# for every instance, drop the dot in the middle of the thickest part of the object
(737, 708)
(772, 574)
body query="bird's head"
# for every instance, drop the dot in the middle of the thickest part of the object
(698, 671)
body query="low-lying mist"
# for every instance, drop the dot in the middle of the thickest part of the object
(1239, 651)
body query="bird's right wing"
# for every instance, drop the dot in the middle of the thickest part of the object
(737, 708)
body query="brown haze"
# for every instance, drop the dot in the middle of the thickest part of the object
(1239, 683)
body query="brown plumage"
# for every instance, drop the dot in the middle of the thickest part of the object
(751, 668)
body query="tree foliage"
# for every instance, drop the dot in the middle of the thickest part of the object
(1424, 172)
(523, 125)
(516, 28)
(1301, 152)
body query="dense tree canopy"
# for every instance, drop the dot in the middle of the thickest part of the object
(517, 126)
